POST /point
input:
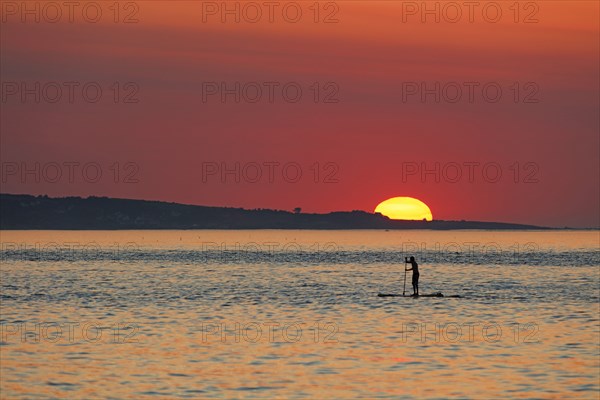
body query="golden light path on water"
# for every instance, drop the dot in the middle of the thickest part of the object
(205, 314)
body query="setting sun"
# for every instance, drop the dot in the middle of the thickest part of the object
(406, 208)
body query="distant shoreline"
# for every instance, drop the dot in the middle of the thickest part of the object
(27, 212)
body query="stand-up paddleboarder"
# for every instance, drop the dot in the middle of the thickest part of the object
(415, 276)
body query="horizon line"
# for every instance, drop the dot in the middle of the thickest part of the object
(292, 212)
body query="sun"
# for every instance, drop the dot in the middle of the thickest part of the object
(406, 208)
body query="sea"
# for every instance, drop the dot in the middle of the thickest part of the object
(205, 314)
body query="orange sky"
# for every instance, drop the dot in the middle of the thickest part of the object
(370, 135)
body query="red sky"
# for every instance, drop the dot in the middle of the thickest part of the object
(372, 144)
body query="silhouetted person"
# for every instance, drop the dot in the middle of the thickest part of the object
(415, 277)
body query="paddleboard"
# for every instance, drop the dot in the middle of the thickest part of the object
(421, 295)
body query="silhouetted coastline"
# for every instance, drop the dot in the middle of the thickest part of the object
(102, 213)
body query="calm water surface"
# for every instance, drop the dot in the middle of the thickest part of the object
(256, 314)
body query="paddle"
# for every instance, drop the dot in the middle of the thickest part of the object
(404, 290)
